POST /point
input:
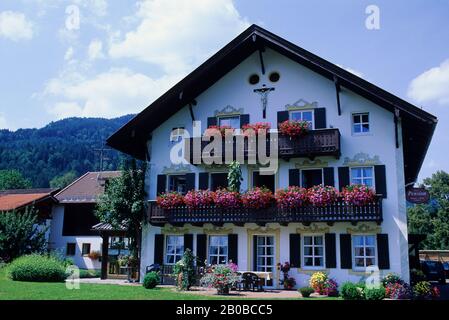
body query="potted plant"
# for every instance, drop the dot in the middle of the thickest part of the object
(222, 130)
(423, 290)
(321, 196)
(257, 198)
(287, 282)
(358, 195)
(170, 200)
(221, 277)
(198, 198)
(94, 255)
(293, 128)
(291, 197)
(306, 291)
(184, 271)
(224, 198)
(256, 128)
(318, 282)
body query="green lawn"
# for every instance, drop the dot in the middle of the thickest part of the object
(16, 290)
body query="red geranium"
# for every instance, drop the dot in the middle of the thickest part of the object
(257, 198)
(358, 195)
(293, 128)
(169, 200)
(291, 197)
(211, 130)
(198, 198)
(256, 128)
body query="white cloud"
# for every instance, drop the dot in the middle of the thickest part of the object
(178, 35)
(110, 94)
(15, 26)
(432, 85)
(69, 54)
(95, 50)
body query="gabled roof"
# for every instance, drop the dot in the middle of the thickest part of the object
(87, 188)
(19, 198)
(417, 125)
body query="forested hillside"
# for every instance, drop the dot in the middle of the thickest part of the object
(69, 145)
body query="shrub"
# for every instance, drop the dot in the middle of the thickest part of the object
(321, 196)
(37, 268)
(89, 273)
(306, 291)
(151, 280)
(351, 291)
(358, 195)
(417, 276)
(331, 288)
(318, 282)
(375, 293)
(391, 278)
(184, 271)
(398, 291)
(227, 199)
(257, 198)
(424, 290)
(169, 200)
(291, 197)
(198, 198)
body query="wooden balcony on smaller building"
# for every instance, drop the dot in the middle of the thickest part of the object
(338, 211)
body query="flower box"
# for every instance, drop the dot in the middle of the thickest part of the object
(294, 128)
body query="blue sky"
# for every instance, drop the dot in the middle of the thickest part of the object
(124, 54)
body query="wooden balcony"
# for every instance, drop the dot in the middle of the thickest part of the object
(323, 142)
(336, 212)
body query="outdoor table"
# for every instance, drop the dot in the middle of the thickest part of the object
(261, 274)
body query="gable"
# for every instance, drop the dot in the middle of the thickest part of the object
(132, 137)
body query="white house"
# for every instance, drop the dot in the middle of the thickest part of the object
(359, 134)
(73, 218)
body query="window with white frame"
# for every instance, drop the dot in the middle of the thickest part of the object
(313, 248)
(176, 134)
(218, 249)
(231, 121)
(265, 253)
(303, 115)
(177, 183)
(364, 249)
(360, 123)
(362, 176)
(174, 249)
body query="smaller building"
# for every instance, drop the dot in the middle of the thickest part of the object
(18, 200)
(74, 216)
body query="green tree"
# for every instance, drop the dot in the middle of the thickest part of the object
(21, 233)
(13, 179)
(123, 203)
(64, 180)
(433, 219)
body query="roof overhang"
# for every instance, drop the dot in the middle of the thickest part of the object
(417, 125)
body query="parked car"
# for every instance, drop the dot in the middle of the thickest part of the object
(446, 269)
(434, 271)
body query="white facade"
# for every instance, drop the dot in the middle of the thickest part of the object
(298, 88)
(59, 242)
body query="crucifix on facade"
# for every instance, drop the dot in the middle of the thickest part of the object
(264, 99)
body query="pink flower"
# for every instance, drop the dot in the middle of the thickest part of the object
(198, 198)
(358, 195)
(293, 128)
(322, 195)
(227, 199)
(170, 200)
(257, 198)
(291, 197)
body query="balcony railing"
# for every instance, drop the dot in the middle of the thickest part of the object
(335, 212)
(323, 142)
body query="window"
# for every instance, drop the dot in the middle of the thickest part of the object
(360, 123)
(233, 122)
(311, 178)
(174, 249)
(265, 253)
(177, 183)
(303, 115)
(176, 134)
(218, 249)
(218, 180)
(118, 243)
(364, 251)
(264, 180)
(71, 248)
(85, 249)
(362, 176)
(313, 251)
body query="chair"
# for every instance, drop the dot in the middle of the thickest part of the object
(251, 282)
